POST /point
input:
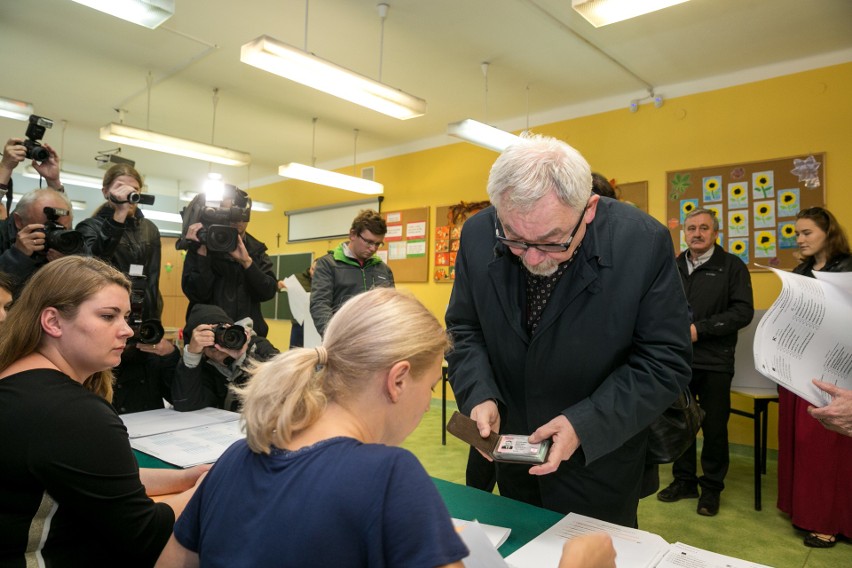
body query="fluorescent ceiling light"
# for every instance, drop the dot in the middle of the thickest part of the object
(482, 134)
(319, 176)
(148, 13)
(19, 110)
(170, 145)
(308, 69)
(154, 215)
(603, 12)
(69, 178)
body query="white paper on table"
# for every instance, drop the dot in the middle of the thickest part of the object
(151, 422)
(186, 448)
(496, 535)
(805, 334)
(483, 553)
(299, 299)
(684, 556)
(634, 548)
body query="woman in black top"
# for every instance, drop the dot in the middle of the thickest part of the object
(71, 492)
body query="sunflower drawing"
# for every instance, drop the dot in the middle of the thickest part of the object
(712, 188)
(766, 243)
(763, 183)
(738, 247)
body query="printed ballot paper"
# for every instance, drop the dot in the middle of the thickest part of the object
(634, 548)
(806, 334)
(183, 439)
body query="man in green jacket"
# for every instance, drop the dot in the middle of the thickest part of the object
(350, 269)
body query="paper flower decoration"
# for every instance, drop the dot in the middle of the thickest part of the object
(738, 173)
(807, 171)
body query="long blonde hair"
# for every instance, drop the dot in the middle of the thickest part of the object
(369, 334)
(63, 284)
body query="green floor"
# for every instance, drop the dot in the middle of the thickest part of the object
(766, 536)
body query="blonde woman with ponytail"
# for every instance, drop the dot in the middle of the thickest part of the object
(70, 488)
(319, 481)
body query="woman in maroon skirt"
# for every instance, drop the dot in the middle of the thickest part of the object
(815, 464)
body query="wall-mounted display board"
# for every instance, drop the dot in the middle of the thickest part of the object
(327, 221)
(407, 244)
(448, 225)
(756, 204)
(635, 193)
(285, 265)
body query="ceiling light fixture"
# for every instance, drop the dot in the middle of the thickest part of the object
(604, 12)
(70, 178)
(311, 174)
(148, 13)
(154, 215)
(479, 133)
(150, 140)
(18, 110)
(306, 68)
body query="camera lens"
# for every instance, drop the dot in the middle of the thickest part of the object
(233, 337)
(64, 241)
(151, 331)
(221, 238)
(40, 154)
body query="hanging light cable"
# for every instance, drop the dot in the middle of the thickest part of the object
(312, 174)
(480, 133)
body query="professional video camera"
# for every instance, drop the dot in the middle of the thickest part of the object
(35, 132)
(57, 237)
(148, 331)
(229, 337)
(216, 231)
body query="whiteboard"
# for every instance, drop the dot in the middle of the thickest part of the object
(326, 222)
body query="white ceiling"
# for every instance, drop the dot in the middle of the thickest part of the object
(76, 65)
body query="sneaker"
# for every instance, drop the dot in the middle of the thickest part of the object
(708, 504)
(678, 490)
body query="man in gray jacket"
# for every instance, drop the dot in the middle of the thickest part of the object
(350, 269)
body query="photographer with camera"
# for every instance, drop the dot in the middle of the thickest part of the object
(226, 266)
(119, 234)
(216, 357)
(38, 232)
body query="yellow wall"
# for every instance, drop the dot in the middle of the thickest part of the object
(791, 115)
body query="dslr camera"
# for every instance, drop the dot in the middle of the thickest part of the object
(216, 231)
(229, 336)
(57, 237)
(148, 331)
(35, 132)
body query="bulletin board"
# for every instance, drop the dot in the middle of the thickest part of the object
(284, 265)
(756, 204)
(448, 225)
(407, 244)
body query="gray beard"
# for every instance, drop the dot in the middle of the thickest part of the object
(546, 268)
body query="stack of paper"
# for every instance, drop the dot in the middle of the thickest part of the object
(183, 439)
(634, 548)
(805, 335)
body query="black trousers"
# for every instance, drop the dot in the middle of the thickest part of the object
(480, 473)
(712, 390)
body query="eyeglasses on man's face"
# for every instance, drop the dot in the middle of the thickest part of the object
(543, 247)
(371, 244)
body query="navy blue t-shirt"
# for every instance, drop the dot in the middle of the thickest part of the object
(337, 503)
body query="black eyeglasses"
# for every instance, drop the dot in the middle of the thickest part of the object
(543, 247)
(369, 243)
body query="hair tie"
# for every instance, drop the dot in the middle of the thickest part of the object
(322, 356)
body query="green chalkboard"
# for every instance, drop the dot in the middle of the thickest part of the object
(284, 265)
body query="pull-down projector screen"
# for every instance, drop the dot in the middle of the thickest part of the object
(326, 222)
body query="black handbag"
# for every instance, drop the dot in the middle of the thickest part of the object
(674, 431)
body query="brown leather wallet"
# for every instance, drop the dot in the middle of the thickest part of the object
(510, 448)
